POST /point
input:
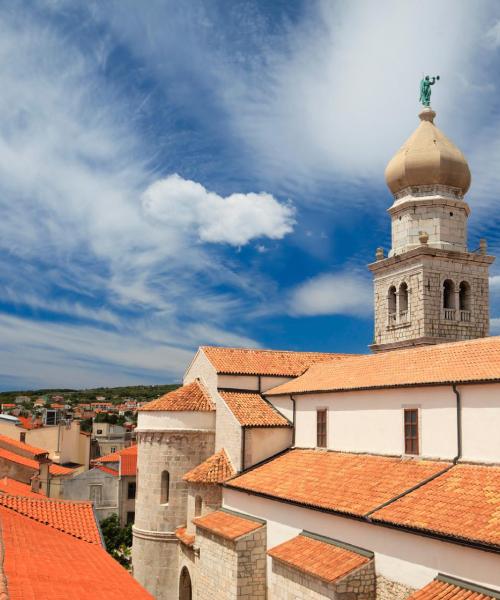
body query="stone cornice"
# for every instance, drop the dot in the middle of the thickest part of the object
(424, 251)
(155, 435)
(155, 536)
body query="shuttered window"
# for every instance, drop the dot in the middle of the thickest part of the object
(321, 428)
(411, 431)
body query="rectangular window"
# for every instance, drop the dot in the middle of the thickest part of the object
(321, 428)
(95, 494)
(131, 490)
(411, 431)
(130, 518)
(22, 437)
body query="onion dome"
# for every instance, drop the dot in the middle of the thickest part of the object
(428, 157)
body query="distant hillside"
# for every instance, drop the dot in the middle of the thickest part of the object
(117, 394)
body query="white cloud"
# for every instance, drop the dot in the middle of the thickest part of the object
(236, 219)
(333, 294)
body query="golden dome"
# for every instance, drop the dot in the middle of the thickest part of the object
(427, 157)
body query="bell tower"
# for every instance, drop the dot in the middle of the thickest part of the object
(431, 288)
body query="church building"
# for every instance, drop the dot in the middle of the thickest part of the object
(303, 476)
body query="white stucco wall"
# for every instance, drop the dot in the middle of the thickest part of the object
(239, 382)
(228, 433)
(267, 383)
(201, 368)
(167, 420)
(481, 422)
(263, 442)
(372, 421)
(413, 560)
(284, 404)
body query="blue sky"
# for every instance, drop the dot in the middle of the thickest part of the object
(182, 173)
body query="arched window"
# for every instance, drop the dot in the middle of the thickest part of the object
(464, 298)
(403, 302)
(185, 590)
(448, 294)
(198, 503)
(165, 487)
(464, 295)
(391, 305)
(449, 300)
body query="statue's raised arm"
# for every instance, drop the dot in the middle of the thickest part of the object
(425, 89)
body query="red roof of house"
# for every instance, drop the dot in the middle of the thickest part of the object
(186, 538)
(13, 487)
(463, 503)
(251, 410)
(249, 361)
(126, 457)
(54, 468)
(447, 588)
(27, 423)
(227, 525)
(28, 565)
(74, 518)
(459, 362)
(17, 445)
(322, 559)
(353, 484)
(216, 469)
(107, 470)
(190, 397)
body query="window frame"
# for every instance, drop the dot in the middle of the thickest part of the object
(411, 443)
(164, 487)
(133, 485)
(324, 434)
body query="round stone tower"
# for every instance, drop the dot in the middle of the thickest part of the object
(174, 434)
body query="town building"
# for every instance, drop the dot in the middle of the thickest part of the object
(277, 475)
(110, 484)
(109, 438)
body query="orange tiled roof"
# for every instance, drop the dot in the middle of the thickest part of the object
(320, 559)
(190, 397)
(17, 458)
(248, 361)
(28, 423)
(126, 457)
(186, 538)
(55, 469)
(13, 487)
(473, 360)
(251, 410)
(227, 525)
(73, 518)
(31, 450)
(352, 484)
(463, 503)
(216, 469)
(107, 470)
(28, 565)
(449, 589)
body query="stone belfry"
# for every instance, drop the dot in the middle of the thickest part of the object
(431, 288)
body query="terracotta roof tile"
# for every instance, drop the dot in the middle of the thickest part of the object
(352, 484)
(473, 360)
(30, 548)
(247, 361)
(74, 518)
(216, 469)
(320, 559)
(463, 503)
(190, 397)
(21, 460)
(107, 470)
(445, 590)
(251, 410)
(56, 469)
(32, 451)
(13, 487)
(227, 525)
(186, 538)
(127, 458)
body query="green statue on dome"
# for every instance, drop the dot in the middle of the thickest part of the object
(425, 89)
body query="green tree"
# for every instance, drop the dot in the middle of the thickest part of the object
(118, 539)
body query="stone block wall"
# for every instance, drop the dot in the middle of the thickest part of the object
(287, 582)
(231, 570)
(211, 495)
